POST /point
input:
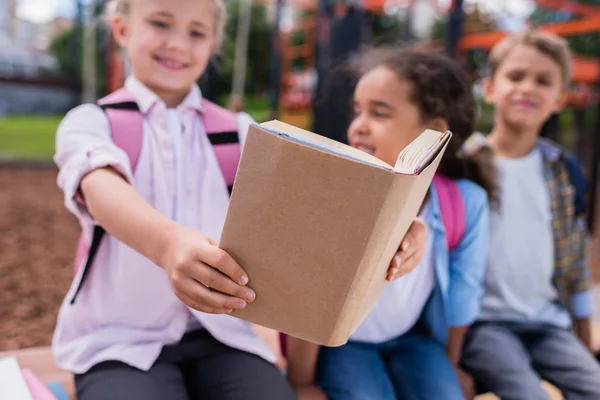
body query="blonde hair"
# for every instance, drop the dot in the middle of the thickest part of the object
(549, 45)
(116, 7)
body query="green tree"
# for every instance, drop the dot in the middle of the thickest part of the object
(70, 58)
(259, 49)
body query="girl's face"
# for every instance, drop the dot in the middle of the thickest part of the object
(168, 43)
(385, 120)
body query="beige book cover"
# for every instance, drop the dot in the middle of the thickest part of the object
(315, 224)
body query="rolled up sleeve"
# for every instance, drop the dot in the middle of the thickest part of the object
(83, 144)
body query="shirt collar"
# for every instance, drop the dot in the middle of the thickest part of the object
(146, 98)
(549, 150)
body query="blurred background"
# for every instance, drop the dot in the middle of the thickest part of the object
(280, 59)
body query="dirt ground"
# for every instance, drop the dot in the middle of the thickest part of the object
(37, 246)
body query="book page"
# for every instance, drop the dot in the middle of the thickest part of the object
(323, 143)
(12, 382)
(421, 151)
(411, 160)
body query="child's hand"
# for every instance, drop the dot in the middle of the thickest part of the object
(202, 275)
(410, 251)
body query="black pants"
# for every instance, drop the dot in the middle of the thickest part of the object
(197, 368)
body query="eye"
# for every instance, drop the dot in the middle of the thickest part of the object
(543, 81)
(380, 114)
(159, 24)
(515, 76)
(197, 34)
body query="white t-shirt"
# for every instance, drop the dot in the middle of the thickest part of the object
(520, 268)
(402, 300)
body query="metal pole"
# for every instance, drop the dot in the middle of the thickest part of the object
(241, 54)
(454, 29)
(321, 65)
(75, 45)
(89, 54)
(276, 61)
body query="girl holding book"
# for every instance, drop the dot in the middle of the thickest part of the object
(150, 321)
(409, 344)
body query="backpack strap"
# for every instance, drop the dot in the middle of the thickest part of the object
(222, 130)
(126, 130)
(126, 127)
(126, 123)
(578, 180)
(452, 208)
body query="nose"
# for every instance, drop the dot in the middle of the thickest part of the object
(177, 41)
(527, 85)
(358, 127)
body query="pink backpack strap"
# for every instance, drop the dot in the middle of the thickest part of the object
(126, 123)
(126, 130)
(222, 129)
(126, 126)
(452, 209)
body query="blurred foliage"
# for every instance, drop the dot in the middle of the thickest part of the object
(259, 46)
(66, 48)
(584, 44)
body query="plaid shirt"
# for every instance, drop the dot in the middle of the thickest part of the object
(571, 274)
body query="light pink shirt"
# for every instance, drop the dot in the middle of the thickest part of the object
(126, 310)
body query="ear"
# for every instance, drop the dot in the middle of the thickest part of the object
(438, 124)
(561, 101)
(488, 90)
(119, 30)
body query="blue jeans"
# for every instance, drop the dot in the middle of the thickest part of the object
(509, 359)
(412, 366)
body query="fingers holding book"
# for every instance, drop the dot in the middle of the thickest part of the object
(410, 251)
(203, 276)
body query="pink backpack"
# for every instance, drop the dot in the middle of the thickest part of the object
(452, 208)
(126, 126)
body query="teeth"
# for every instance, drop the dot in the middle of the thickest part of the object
(171, 63)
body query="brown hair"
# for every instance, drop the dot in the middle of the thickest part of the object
(114, 7)
(549, 45)
(440, 89)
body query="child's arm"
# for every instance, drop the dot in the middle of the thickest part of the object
(302, 364)
(456, 335)
(191, 259)
(95, 174)
(468, 261)
(583, 328)
(582, 301)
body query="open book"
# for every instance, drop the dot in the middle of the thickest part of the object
(315, 224)
(416, 156)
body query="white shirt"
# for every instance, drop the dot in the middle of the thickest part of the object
(127, 311)
(402, 301)
(518, 279)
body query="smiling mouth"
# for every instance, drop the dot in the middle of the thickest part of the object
(366, 149)
(170, 63)
(528, 105)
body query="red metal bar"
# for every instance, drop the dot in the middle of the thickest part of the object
(487, 40)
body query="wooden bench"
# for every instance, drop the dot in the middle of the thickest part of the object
(40, 361)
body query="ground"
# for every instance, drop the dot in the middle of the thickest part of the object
(37, 246)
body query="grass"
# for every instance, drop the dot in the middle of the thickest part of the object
(32, 137)
(28, 137)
